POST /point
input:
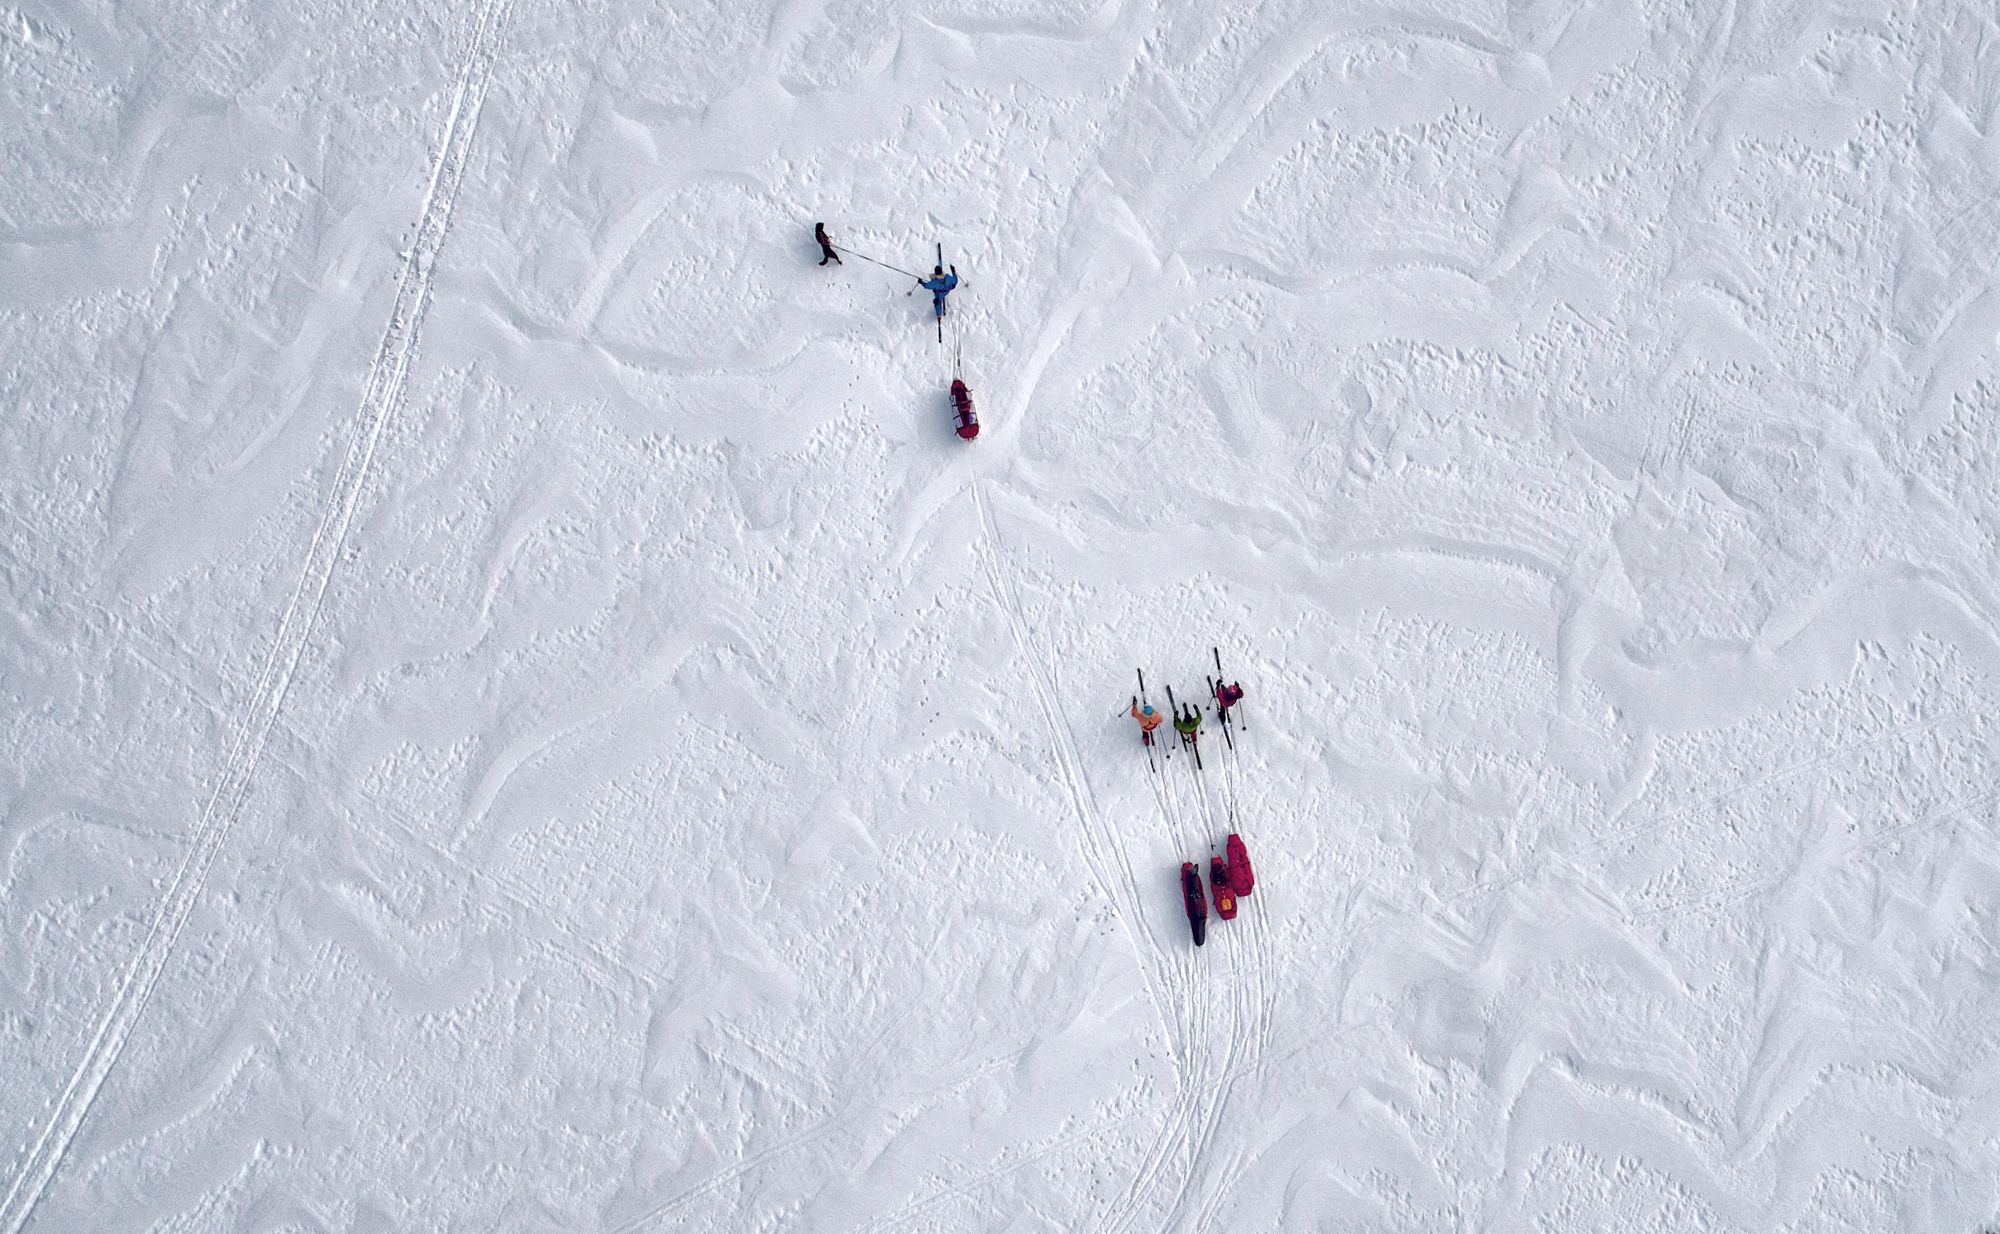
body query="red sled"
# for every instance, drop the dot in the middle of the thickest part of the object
(1225, 899)
(1197, 904)
(1242, 879)
(961, 403)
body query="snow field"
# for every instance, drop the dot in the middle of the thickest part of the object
(522, 716)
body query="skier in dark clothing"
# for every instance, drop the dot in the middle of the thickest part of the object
(939, 284)
(826, 246)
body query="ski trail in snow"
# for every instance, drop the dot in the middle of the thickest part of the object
(721, 1178)
(1189, 957)
(1263, 970)
(1257, 940)
(1217, 1066)
(1234, 1166)
(1175, 975)
(1097, 839)
(383, 393)
(1183, 1123)
(1182, 966)
(1190, 1122)
(1250, 994)
(1173, 1129)
(1000, 1170)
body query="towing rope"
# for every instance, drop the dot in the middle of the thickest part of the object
(841, 248)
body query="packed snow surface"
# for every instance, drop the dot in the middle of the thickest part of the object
(520, 715)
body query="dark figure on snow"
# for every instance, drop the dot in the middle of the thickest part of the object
(939, 284)
(826, 246)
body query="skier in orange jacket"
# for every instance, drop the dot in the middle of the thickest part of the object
(1148, 719)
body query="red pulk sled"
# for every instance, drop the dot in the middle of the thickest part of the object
(1197, 904)
(1225, 899)
(961, 402)
(1242, 879)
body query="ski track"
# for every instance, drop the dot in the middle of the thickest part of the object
(1216, 1079)
(1097, 839)
(1189, 1131)
(1172, 1130)
(967, 1186)
(1264, 967)
(1197, 1115)
(383, 393)
(572, 946)
(1190, 1120)
(1247, 941)
(728, 1174)
(1231, 1172)
(1179, 970)
(1067, 763)
(1175, 976)
(1125, 1208)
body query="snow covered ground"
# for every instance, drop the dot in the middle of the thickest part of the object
(519, 715)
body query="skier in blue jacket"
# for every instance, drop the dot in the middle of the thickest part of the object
(939, 284)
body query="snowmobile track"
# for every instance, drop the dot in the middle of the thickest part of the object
(383, 394)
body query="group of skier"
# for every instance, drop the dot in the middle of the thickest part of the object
(1229, 879)
(1233, 878)
(1187, 716)
(942, 282)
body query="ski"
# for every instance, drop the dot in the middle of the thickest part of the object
(1190, 740)
(1227, 718)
